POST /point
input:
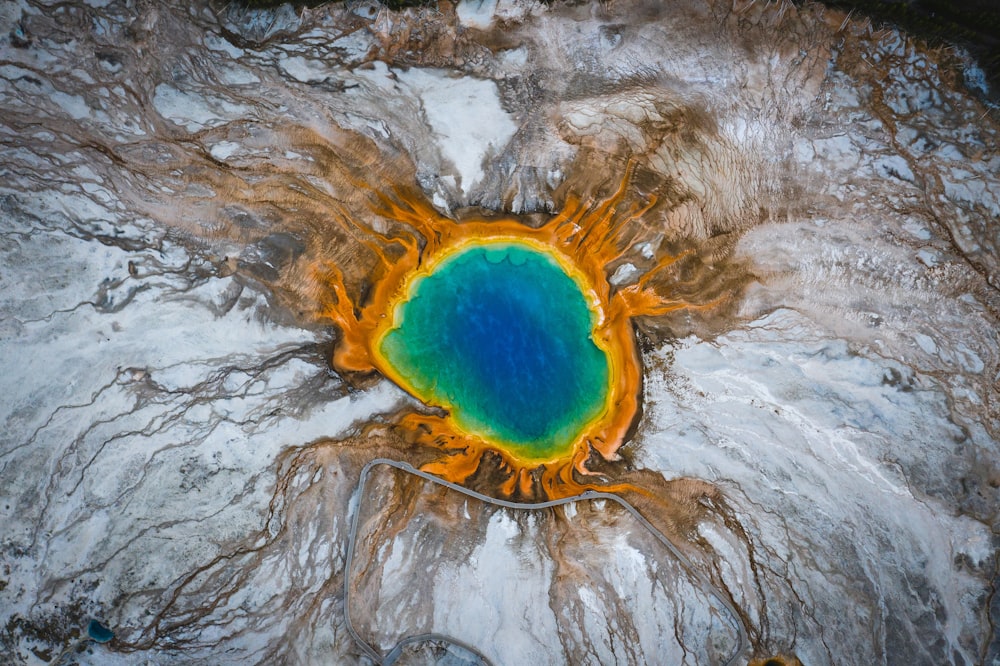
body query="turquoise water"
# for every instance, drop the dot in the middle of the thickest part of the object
(99, 632)
(501, 336)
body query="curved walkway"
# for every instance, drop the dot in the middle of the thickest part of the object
(589, 495)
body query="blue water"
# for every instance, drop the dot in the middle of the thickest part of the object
(99, 632)
(501, 336)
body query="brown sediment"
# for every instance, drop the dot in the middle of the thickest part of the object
(586, 237)
(777, 660)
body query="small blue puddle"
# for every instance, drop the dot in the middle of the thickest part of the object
(99, 632)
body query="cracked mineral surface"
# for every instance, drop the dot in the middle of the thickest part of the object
(179, 459)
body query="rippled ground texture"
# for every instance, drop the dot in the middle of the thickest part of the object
(178, 460)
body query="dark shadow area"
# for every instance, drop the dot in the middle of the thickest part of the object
(972, 24)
